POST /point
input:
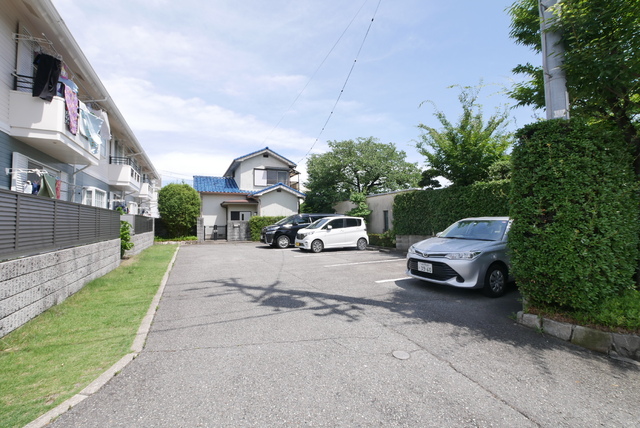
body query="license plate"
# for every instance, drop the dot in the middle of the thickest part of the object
(425, 267)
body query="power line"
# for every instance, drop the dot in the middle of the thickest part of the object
(345, 82)
(315, 72)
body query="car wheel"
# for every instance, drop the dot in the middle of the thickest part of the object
(362, 244)
(495, 281)
(317, 246)
(283, 241)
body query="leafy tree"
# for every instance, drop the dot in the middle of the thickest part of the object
(601, 40)
(361, 209)
(179, 207)
(464, 152)
(429, 180)
(361, 166)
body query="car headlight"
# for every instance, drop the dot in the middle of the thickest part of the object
(412, 249)
(467, 255)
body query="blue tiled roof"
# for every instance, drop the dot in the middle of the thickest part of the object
(267, 189)
(216, 184)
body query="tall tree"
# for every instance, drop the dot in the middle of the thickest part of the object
(361, 166)
(462, 153)
(601, 42)
(179, 207)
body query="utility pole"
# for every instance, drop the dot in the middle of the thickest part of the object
(555, 81)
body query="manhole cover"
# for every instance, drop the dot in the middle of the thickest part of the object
(401, 355)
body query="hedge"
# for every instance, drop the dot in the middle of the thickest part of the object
(427, 212)
(574, 240)
(256, 223)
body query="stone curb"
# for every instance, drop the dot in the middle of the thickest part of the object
(136, 347)
(624, 347)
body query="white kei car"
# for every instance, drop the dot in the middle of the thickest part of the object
(333, 232)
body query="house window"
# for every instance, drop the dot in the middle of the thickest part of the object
(240, 215)
(94, 197)
(269, 177)
(385, 226)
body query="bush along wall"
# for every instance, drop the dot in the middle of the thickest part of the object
(574, 240)
(256, 223)
(427, 212)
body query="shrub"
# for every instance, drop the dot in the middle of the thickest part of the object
(574, 241)
(256, 223)
(179, 207)
(427, 212)
(125, 237)
(386, 239)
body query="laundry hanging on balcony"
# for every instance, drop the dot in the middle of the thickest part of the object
(50, 187)
(45, 84)
(70, 90)
(90, 125)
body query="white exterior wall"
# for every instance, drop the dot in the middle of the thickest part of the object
(378, 204)
(244, 173)
(212, 213)
(8, 26)
(278, 204)
(344, 207)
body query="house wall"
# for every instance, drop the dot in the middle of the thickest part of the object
(8, 26)
(31, 285)
(344, 207)
(377, 204)
(278, 204)
(244, 173)
(211, 211)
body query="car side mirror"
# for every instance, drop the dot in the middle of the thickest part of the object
(329, 227)
(439, 234)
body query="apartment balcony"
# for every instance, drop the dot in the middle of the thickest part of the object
(41, 125)
(148, 192)
(124, 174)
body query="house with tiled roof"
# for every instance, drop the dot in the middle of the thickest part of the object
(261, 183)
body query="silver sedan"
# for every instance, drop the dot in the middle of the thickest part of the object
(471, 253)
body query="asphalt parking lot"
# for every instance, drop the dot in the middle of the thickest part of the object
(247, 335)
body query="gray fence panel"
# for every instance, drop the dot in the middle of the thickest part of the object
(32, 224)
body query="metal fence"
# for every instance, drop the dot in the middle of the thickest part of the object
(142, 224)
(32, 224)
(214, 233)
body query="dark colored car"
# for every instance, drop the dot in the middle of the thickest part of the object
(283, 233)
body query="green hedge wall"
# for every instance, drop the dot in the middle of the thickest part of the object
(427, 212)
(574, 241)
(256, 223)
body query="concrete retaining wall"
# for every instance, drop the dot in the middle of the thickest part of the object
(141, 241)
(31, 285)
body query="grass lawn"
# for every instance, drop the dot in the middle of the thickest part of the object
(57, 354)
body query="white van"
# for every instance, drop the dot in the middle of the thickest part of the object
(333, 232)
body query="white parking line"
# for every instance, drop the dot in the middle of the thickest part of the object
(393, 280)
(364, 263)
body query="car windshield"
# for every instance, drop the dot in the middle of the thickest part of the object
(484, 230)
(288, 220)
(318, 223)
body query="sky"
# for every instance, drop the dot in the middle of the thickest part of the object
(202, 82)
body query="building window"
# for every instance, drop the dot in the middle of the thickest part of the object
(385, 226)
(269, 177)
(240, 215)
(94, 197)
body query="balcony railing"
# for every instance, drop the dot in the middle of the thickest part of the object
(124, 173)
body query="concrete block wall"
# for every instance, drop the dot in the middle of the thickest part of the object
(141, 241)
(31, 285)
